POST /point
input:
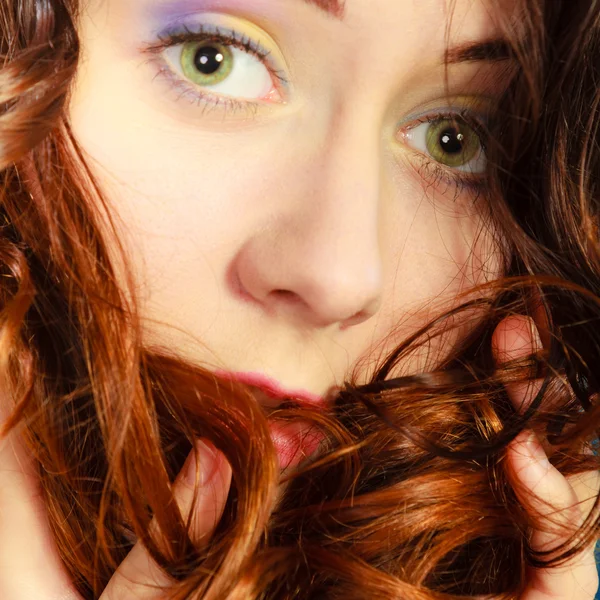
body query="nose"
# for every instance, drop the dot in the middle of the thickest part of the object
(317, 258)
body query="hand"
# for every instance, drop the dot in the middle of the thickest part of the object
(30, 568)
(531, 473)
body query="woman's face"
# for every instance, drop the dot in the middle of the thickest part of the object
(294, 182)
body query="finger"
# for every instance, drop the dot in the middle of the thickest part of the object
(552, 502)
(30, 566)
(586, 487)
(517, 337)
(139, 576)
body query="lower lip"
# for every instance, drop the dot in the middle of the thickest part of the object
(294, 441)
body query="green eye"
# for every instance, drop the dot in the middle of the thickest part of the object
(452, 142)
(206, 63)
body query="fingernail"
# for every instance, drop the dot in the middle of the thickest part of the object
(536, 340)
(208, 456)
(536, 452)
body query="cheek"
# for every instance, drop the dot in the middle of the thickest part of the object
(181, 221)
(439, 253)
(447, 254)
(444, 241)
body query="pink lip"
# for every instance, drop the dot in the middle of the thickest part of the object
(270, 387)
(294, 441)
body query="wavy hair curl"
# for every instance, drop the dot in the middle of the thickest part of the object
(408, 498)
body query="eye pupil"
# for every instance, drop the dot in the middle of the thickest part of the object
(452, 140)
(208, 59)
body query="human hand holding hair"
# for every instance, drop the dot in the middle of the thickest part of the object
(30, 568)
(541, 488)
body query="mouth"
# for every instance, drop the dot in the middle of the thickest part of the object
(294, 441)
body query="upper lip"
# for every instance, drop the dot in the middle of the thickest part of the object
(272, 388)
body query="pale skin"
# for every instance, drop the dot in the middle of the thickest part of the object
(254, 253)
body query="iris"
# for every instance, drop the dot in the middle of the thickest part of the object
(452, 142)
(206, 63)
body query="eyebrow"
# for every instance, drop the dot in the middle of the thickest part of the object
(487, 50)
(335, 8)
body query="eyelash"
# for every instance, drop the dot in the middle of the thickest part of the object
(203, 34)
(429, 170)
(436, 175)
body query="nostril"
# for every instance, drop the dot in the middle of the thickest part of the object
(287, 296)
(289, 301)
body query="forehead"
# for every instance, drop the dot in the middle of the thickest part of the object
(426, 23)
(401, 15)
(339, 9)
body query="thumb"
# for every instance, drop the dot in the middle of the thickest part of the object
(553, 504)
(206, 471)
(517, 337)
